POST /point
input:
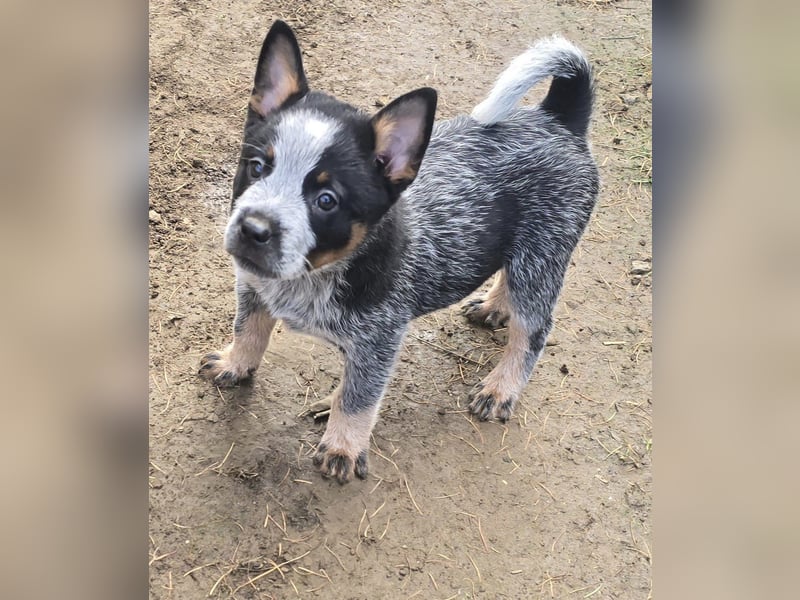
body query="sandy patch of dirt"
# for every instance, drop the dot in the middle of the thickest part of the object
(557, 503)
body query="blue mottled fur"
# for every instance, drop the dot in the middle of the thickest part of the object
(508, 188)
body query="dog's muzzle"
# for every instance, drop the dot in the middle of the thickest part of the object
(253, 239)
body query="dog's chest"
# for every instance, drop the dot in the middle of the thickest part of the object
(306, 305)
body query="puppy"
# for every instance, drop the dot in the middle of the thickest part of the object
(340, 228)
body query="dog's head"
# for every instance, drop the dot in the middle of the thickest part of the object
(315, 174)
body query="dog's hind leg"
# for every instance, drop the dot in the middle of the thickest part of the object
(323, 406)
(497, 393)
(532, 286)
(491, 310)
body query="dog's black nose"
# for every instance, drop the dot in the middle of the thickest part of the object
(256, 228)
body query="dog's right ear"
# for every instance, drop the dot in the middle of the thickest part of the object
(279, 75)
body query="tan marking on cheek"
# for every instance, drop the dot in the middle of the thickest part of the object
(323, 178)
(358, 231)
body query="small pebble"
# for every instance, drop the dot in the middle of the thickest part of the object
(640, 267)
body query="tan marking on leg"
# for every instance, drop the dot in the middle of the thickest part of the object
(497, 393)
(240, 358)
(249, 345)
(324, 404)
(358, 232)
(343, 448)
(494, 308)
(506, 380)
(348, 433)
(497, 297)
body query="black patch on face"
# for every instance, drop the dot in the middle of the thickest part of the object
(259, 134)
(350, 159)
(362, 193)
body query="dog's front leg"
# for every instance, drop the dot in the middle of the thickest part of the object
(251, 332)
(354, 408)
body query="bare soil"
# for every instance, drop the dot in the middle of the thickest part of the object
(555, 504)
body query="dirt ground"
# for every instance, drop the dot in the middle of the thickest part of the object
(555, 504)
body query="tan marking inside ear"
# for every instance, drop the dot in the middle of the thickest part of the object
(255, 103)
(384, 128)
(404, 175)
(358, 231)
(284, 82)
(323, 178)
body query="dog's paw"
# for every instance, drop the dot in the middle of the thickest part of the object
(321, 408)
(218, 368)
(483, 313)
(339, 464)
(487, 403)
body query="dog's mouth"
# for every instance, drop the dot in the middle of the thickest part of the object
(254, 268)
(265, 272)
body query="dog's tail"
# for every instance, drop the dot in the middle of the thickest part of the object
(571, 93)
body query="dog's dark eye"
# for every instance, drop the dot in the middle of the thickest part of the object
(255, 168)
(327, 201)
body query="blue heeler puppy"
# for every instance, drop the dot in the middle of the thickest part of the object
(340, 228)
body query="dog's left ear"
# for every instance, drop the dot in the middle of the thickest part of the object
(402, 132)
(279, 75)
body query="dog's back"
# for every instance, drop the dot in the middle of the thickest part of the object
(503, 178)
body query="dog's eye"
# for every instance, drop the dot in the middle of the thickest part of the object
(255, 168)
(326, 201)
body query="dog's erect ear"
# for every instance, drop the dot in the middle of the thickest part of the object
(402, 132)
(279, 75)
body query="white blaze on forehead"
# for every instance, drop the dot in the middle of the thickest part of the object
(316, 128)
(301, 139)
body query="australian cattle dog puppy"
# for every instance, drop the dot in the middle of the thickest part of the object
(347, 226)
